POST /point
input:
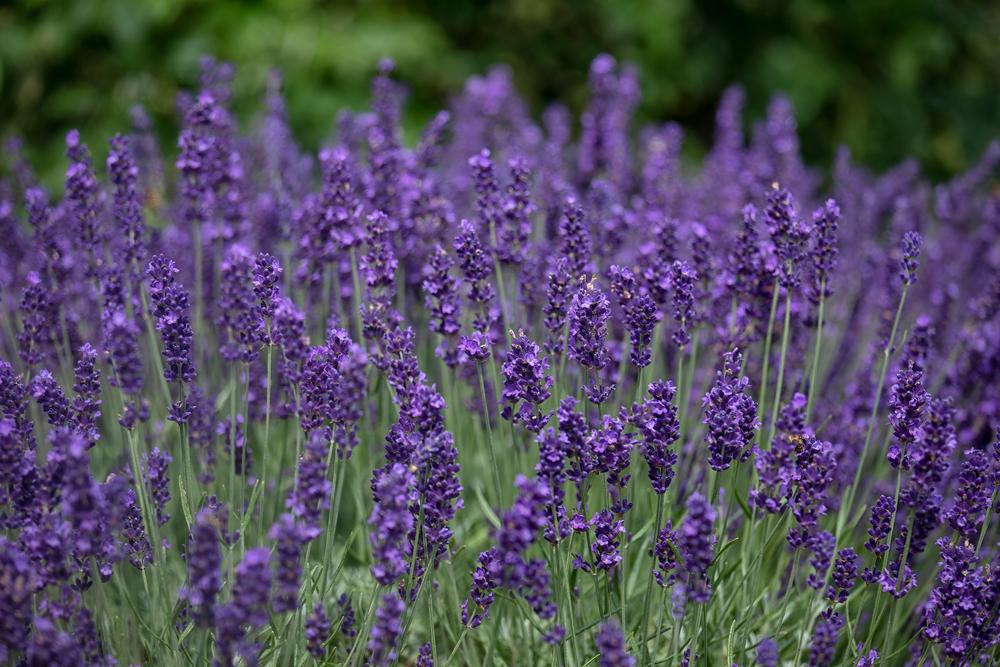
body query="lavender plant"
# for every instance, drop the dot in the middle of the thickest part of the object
(503, 397)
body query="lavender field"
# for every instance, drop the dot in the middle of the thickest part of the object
(528, 391)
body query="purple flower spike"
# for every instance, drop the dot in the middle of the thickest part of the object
(610, 644)
(730, 415)
(173, 319)
(386, 630)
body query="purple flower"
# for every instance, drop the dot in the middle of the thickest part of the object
(823, 250)
(475, 347)
(240, 314)
(441, 297)
(52, 647)
(525, 380)
(907, 403)
(682, 278)
(845, 575)
(136, 541)
(339, 223)
(474, 262)
(606, 546)
(127, 205)
(83, 197)
(51, 399)
(204, 565)
(609, 449)
(696, 540)
(730, 415)
(881, 518)
(247, 611)
(961, 613)
(824, 638)
(667, 568)
(767, 653)
(347, 628)
(656, 420)
(869, 659)
(517, 208)
(821, 545)
(908, 262)
(312, 493)
(317, 631)
(641, 314)
(504, 565)
(424, 657)
(155, 467)
(38, 321)
(487, 198)
(559, 291)
(173, 319)
(610, 644)
(574, 239)
(121, 344)
(82, 500)
(973, 495)
(788, 233)
(265, 276)
(290, 537)
(385, 630)
(393, 492)
(589, 313)
(17, 591)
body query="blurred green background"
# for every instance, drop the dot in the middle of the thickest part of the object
(889, 78)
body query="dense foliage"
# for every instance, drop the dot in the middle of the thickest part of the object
(505, 397)
(886, 78)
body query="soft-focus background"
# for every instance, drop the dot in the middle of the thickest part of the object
(889, 78)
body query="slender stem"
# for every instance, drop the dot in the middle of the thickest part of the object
(872, 418)
(816, 351)
(781, 363)
(766, 361)
(489, 436)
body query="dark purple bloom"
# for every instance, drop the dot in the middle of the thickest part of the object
(845, 575)
(127, 205)
(121, 344)
(517, 208)
(767, 653)
(487, 198)
(574, 239)
(973, 495)
(424, 657)
(173, 319)
(910, 253)
(317, 631)
(824, 638)
(823, 250)
(504, 565)
(475, 347)
(265, 276)
(51, 398)
(38, 321)
(730, 415)
(155, 467)
(441, 297)
(393, 492)
(696, 540)
(312, 493)
(821, 546)
(961, 613)
(869, 659)
(474, 262)
(83, 196)
(666, 551)
(641, 314)
(682, 279)
(204, 565)
(82, 500)
(609, 449)
(17, 591)
(240, 316)
(136, 541)
(289, 537)
(347, 628)
(656, 420)
(788, 233)
(385, 631)
(526, 382)
(610, 644)
(247, 611)
(878, 532)
(339, 223)
(52, 647)
(589, 313)
(907, 402)
(558, 294)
